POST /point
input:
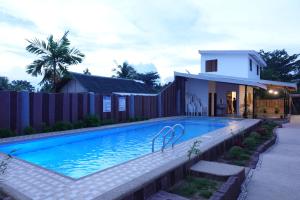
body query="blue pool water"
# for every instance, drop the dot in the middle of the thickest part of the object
(78, 155)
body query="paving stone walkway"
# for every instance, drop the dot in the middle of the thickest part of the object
(278, 176)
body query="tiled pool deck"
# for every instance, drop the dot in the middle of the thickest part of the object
(27, 181)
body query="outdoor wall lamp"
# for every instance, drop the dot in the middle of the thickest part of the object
(273, 92)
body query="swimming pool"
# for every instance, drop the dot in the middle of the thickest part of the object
(80, 154)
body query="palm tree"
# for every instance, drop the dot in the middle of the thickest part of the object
(125, 71)
(54, 58)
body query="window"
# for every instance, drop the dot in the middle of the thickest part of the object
(122, 104)
(106, 104)
(257, 69)
(250, 64)
(211, 65)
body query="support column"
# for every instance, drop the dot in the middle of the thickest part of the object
(245, 102)
(23, 111)
(254, 104)
(91, 103)
(131, 107)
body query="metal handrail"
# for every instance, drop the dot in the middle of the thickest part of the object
(159, 133)
(170, 139)
(182, 133)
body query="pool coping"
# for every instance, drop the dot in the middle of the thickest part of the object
(111, 192)
(83, 131)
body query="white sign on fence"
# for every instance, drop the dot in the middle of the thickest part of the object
(122, 104)
(106, 104)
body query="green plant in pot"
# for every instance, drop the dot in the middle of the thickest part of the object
(276, 110)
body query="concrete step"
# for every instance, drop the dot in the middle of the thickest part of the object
(162, 195)
(216, 168)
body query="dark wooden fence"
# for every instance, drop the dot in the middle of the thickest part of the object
(22, 109)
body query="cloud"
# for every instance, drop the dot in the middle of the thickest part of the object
(151, 34)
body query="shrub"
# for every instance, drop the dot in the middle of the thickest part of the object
(235, 152)
(262, 131)
(255, 135)
(6, 133)
(276, 110)
(91, 121)
(61, 126)
(250, 142)
(79, 124)
(107, 122)
(29, 130)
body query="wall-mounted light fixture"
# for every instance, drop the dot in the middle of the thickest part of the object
(273, 92)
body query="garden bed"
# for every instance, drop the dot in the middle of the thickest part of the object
(246, 149)
(196, 188)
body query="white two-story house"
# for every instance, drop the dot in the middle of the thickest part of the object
(226, 83)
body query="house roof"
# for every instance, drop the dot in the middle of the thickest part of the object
(252, 53)
(280, 84)
(108, 85)
(241, 81)
(223, 79)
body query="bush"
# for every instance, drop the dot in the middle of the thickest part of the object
(250, 142)
(255, 135)
(29, 130)
(107, 122)
(79, 124)
(61, 126)
(91, 121)
(262, 131)
(6, 133)
(235, 152)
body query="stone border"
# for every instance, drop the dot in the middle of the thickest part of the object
(232, 187)
(173, 175)
(262, 148)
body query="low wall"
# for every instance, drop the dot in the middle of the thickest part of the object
(174, 175)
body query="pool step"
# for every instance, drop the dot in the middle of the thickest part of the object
(162, 195)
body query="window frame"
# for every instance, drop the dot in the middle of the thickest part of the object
(250, 64)
(211, 65)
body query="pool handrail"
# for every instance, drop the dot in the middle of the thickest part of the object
(159, 133)
(170, 139)
(180, 136)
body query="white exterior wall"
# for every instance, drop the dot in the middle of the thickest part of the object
(198, 88)
(73, 86)
(235, 65)
(253, 74)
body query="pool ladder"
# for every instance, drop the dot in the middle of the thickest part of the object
(164, 132)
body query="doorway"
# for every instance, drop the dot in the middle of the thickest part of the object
(231, 103)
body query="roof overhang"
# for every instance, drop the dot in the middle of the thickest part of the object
(133, 94)
(279, 85)
(222, 79)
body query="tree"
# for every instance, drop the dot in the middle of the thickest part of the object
(54, 58)
(125, 71)
(280, 65)
(87, 72)
(19, 85)
(4, 83)
(149, 78)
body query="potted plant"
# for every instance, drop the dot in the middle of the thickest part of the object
(276, 110)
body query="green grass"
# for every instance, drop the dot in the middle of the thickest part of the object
(194, 187)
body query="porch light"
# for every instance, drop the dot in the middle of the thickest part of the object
(275, 92)
(271, 91)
